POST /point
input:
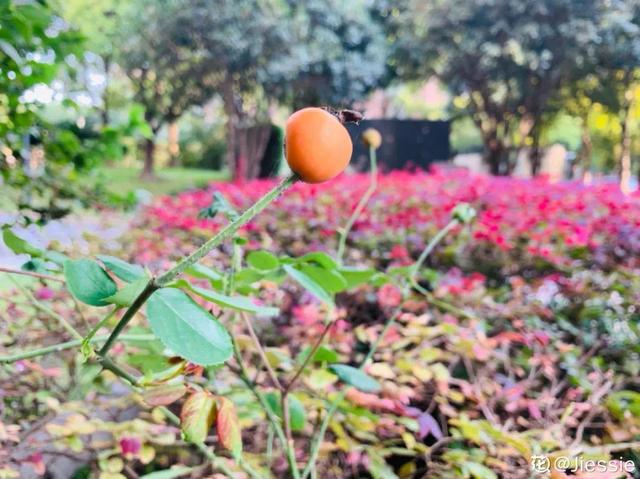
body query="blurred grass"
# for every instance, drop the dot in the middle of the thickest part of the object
(168, 180)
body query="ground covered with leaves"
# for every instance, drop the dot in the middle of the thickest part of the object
(521, 338)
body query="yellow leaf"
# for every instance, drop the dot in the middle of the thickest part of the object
(381, 370)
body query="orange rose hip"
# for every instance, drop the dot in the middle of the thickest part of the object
(318, 146)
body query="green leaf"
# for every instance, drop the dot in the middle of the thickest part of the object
(204, 272)
(55, 257)
(323, 259)
(309, 284)
(173, 473)
(330, 280)
(219, 204)
(128, 294)
(478, 471)
(240, 303)
(323, 354)
(187, 329)
(320, 379)
(262, 261)
(355, 276)
(621, 403)
(356, 378)
(123, 270)
(197, 416)
(228, 427)
(378, 467)
(17, 244)
(297, 414)
(247, 277)
(88, 282)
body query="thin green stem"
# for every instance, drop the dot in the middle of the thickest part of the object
(33, 274)
(430, 247)
(108, 364)
(196, 256)
(226, 232)
(55, 348)
(261, 352)
(86, 348)
(443, 305)
(270, 438)
(373, 185)
(38, 305)
(307, 359)
(128, 315)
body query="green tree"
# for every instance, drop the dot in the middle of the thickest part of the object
(33, 44)
(99, 20)
(506, 57)
(620, 54)
(179, 53)
(168, 71)
(338, 55)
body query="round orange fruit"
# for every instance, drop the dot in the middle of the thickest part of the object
(318, 146)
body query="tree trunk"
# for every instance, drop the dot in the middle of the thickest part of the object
(105, 93)
(586, 151)
(252, 143)
(173, 137)
(495, 155)
(149, 156)
(228, 100)
(242, 158)
(535, 154)
(625, 146)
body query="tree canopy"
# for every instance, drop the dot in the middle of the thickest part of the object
(506, 58)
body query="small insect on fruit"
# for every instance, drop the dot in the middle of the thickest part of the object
(318, 146)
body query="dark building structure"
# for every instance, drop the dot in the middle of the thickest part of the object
(405, 143)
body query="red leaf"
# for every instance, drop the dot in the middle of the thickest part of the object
(228, 427)
(37, 462)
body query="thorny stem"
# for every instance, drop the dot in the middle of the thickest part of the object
(128, 315)
(38, 305)
(373, 185)
(47, 277)
(54, 348)
(226, 232)
(197, 255)
(163, 280)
